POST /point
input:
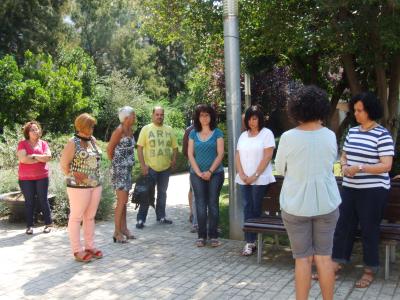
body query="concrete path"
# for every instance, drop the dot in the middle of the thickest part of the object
(163, 263)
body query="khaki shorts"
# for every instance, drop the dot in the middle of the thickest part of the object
(310, 236)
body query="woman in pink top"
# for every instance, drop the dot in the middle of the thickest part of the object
(33, 173)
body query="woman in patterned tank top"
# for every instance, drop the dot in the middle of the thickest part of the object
(80, 163)
(120, 151)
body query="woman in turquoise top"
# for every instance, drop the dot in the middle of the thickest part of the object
(205, 152)
(309, 197)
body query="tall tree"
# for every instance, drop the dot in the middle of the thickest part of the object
(29, 25)
(109, 32)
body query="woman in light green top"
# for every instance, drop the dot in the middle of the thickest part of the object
(309, 197)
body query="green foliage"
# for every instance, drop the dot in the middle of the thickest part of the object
(109, 32)
(116, 91)
(175, 118)
(29, 25)
(8, 180)
(40, 90)
(8, 146)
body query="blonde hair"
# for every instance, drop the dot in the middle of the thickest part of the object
(124, 112)
(84, 121)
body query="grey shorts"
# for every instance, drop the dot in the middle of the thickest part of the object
(310, 236)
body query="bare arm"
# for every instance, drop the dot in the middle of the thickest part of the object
(114, 140)
(384, 165)
(280, 159)
(67, 155)
(192, 160)
(267, 156)
(239, 167)
(43, 157)
(173, 160)
(24, 158)
(143, 166)
(220, 154)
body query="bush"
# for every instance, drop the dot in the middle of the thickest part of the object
(8, 146)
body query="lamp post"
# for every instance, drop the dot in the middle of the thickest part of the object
(233, 111)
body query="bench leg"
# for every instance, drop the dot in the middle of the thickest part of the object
(392, 253)
(276, 240)
(260, 247)
(387, 258)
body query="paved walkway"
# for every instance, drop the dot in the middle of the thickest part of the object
(162, 263)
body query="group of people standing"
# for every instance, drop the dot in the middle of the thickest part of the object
(321, 221)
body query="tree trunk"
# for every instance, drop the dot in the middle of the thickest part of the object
(382, 87)
(351, 74)
(393, 99)
(337, 93)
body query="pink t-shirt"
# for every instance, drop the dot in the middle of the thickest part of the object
(35, 171)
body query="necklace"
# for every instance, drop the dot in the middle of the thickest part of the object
(83, 138)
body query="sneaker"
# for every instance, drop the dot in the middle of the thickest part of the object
(140, 224)
(248, 249)
(165, 221)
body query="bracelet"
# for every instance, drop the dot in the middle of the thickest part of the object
(209, 170)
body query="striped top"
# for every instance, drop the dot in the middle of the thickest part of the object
(366, 147)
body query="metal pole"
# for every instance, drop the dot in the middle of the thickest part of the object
(233, 111)
(247, 90)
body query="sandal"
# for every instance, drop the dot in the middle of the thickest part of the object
(314, 276)
(47, 229)
(29, 230)
(120, 238)
(215, 243)
(248, 249)
(366, 279)
(200, 242)
(129, 235)
(96, 253)
(87, 256)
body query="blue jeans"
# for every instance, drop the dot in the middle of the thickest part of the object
(252, 196)
(32, 189)
(362, 207)
(206, 194)
(194, 210)
(161, 180)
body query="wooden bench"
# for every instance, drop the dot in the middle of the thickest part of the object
(271, 221)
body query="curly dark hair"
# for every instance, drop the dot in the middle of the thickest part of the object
(207, 109)
(254, 110)
(309, 104)
(371, 104)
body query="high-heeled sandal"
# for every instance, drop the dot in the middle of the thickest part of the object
(87, 256)
(129, 235)
(119, 238)
(96, 253)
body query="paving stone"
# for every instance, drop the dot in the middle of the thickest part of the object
(162, 263)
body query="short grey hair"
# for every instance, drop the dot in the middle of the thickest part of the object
(124, 112)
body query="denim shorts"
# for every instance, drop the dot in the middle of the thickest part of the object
(310, 236)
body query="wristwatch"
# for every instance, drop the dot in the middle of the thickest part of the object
(256, 174)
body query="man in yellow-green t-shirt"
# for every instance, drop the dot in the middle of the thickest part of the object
(157, 149)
